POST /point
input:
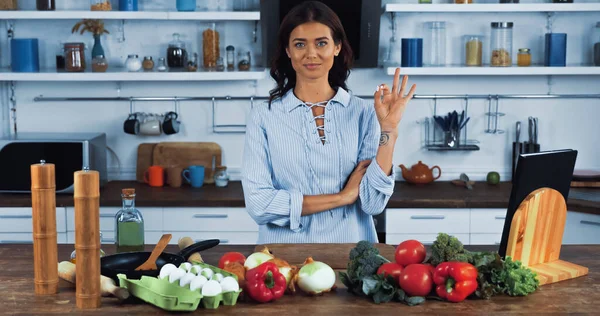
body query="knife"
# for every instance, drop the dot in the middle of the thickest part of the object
(535, 131)
(530, 130)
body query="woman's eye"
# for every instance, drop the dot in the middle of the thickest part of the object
(299, 45)
(322, 43)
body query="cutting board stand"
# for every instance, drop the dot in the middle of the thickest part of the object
(536, 234)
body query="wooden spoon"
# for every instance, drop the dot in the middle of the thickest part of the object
(150, 264)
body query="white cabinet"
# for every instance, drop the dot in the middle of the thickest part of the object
(208, 219)
(152, 219)
(19, 220)
(425, 239)
(27, 238)
(108, 237)
(582, 228)
(427, 221)
(487, 225)
(225, 238)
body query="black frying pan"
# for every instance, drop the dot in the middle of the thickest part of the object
(126, 262)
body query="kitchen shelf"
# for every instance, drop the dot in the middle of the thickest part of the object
(496, 71)
(493, 7)
(441, 147)
(137, 15)
(120, 74)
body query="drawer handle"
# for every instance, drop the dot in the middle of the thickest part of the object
(15, 216)
(16, 242)
(108, 240)
(427, 217)
(221, 241)
(211, 215)
(500, 217)
(107, 215)
(428, 243)
(590, 223)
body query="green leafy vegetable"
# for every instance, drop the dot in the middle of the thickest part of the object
(514, 279)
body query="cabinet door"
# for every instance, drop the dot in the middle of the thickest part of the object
(487, 221)
(582, 228)
(226, 238)
(27, 238)
(427, 221)
(425, 239)
(486, 239)
(18, 220)
(152, 218)
(208, 219)
(108, 238)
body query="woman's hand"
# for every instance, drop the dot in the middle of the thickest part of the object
(350, 192)
(390, 109)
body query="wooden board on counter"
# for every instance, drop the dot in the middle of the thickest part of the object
(335, 255)
(185, 154)
(585, 184)
(144, 160)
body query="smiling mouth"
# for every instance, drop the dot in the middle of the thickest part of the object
(312, 66)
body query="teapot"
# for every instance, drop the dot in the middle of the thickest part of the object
(419, 173)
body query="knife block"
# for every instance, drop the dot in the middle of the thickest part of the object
(535, 237)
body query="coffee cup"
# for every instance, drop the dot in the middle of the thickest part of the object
(170, 125)
(132, 124)
(194, 175)
(154, 176)
(174, 178)
(151, 126)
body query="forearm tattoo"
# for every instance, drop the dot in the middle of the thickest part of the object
(384, 138)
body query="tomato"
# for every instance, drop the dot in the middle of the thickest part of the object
(416, 280)
(431, 268)
(392, 269)
(231, 257)
(410, 252)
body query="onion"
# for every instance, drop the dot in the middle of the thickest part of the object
(315, 277)
(258, 258)
(287, 271)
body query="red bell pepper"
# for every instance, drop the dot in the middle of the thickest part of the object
(455, 280)
(265, 283)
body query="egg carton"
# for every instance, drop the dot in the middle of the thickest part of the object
(227, 298)
(170, 297)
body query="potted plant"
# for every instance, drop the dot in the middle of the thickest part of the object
(96, 27)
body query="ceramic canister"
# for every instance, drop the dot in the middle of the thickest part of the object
(24, 54)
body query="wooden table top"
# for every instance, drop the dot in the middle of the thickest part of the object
(434, 195)
(581, 295)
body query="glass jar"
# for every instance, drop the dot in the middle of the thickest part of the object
(162, 65)
(230, 57)
(186, 5)
(133, 63)
(176, 53)
(524, 57)
(192, 64)
(60, 57)
(425, 1)
(129, 224)
(435, 44)
(596, 43)
(244, 61)
(473, 50)
(148, 63)
(501, 44)
(128, 5)
(100, 5)
(220, 64)
(394, 56)
(8, 5)
(45, 5)
(463, 1)
(211, 46)
(221, 177)
(74, 57)
(99, 64)
(74, 253)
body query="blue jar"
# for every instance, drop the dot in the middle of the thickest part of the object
(186, 5)
(128, 5)
(556, 50)
(24, 54)
(412, 52)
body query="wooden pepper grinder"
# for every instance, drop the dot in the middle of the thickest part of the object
(87, 238)
(43, 212)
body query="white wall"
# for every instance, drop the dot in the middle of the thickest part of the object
(564, 123)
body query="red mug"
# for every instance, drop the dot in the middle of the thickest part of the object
(154, 176)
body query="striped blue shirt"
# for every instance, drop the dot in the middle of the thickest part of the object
(284, 159)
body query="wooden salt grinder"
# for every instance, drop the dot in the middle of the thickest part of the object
(43, 213)
(87, 238)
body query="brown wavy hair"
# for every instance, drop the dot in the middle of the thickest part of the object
(281, 66)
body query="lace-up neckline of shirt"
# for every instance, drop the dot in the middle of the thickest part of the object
(321, 127)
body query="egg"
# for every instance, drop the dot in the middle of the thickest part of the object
(198, 282)
(207, 273)
(196, 269)
(166, 270)
(217, 277)
(175, 275)
(211, 288)
(185, 266)
(229, 284)
(186, 279)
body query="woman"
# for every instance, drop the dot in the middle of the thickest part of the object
(318, 161)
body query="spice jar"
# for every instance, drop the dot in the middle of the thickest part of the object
(133, 63)
(148, 63)
(162, 65)
(176, 53)
(244, 61)
(193, 63)
(8, 5)
(220, 64)
(463, 1)
(501, 44)
(74, 57)
(210, 46)
(45, 5)
(100, 5)
(99, 64)
(473, 50)
(221, 177)
(435, 42)
(230, 57)
(596, 43)
(524, 57)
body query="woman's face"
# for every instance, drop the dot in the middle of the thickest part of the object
(311, 49)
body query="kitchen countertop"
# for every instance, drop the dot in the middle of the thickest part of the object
(434, 195)
(580, 295)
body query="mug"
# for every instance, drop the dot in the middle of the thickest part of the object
(151, 126)
(194, 175)
(132, 124)
(154, 176)
(171, 124)
(174, 177)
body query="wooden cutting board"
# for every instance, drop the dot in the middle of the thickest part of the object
(144, 160)
(335, 255)
(185, 154)
(585, 184)
(536, 233)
